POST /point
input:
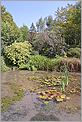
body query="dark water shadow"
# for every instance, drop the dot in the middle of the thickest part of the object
(42, 117)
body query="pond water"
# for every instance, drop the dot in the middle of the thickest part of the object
(30, 107)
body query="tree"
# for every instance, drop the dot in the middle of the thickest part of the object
(40, 25)
(32, 28)
(68, 22)
(48, 43)
(24, 32)
(9, 30)
(49, 22)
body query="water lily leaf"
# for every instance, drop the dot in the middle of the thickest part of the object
(46, 80)
(73, 91)
(54, 83)
(43, 97)
(49, 98)
(52, 96)
(63, 96)
(58, 99)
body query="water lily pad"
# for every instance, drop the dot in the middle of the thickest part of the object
(43, 97)
(63, 96)
(58, 99)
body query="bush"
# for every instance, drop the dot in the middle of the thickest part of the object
(27, 67)
(73, 64)
(4, 68)
(74, 52)
(38, 62)
(17, 53)
(54, 63)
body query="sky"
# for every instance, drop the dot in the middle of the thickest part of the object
(26, 12)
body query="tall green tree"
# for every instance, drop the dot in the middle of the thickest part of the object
(9, 30)
(40, 25)
(32, 28)
(24, 32)
(49, 22)
(68, 22)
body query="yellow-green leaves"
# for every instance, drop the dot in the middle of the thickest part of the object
(17, 53)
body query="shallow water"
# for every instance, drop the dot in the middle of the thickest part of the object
(30, 107)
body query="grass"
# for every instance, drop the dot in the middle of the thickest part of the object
(7, 101)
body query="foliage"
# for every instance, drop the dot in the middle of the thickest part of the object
(73, 64)
(4, 68)
(17, 53)
(40, 25)
(10, 32)
(43, 63)
(27, 67)
(55, 63)
(74, 52)
(49, 22)
(31, 37)
(38, 61)
(48, 44)
(32, 28)
(68, 24)
(65, 79)
(50, 81)
(52, 95)
(52, 36)
(24, 32)
(23, 66)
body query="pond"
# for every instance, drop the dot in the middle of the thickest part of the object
(30, 107)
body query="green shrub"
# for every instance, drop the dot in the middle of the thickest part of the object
(27, 67)
(38, 61)
(23, 66)
(43, 63)
(17, 53)
(74, 52)
(33, 68)
(55, 62)
(4, 68)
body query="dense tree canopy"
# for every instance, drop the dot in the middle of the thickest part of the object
(50, 35)
(40, 25)
(49, 22)
(32, 28)
(24, 32)
(68, 22)
(48, 43)
(10, 32)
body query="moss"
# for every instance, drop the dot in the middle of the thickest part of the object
(5, 103)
